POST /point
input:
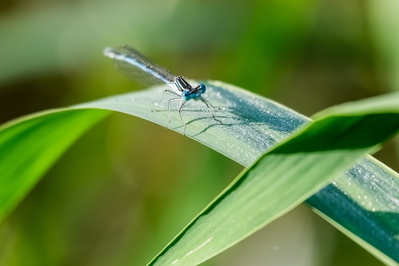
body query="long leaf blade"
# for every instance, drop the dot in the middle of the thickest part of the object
(252, 125)
(286, 176)
(31, 145)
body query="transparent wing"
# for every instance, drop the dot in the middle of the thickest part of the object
(136, 66)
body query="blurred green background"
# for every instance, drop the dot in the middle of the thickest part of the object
(124, 190)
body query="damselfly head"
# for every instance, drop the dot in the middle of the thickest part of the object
(202, 88)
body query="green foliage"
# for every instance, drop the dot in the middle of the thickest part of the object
(124, 189)
(277, 182)
(287, 175)
(31, 145)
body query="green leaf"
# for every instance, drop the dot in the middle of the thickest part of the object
(286, 176)
(251, 126)
(31, 145)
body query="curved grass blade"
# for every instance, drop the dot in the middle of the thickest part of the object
(31, 145)
(254, 124)
(251, 126)
(286, 176)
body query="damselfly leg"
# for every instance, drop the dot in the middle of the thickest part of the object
(163, 97)
(210, 109)
(182, 103)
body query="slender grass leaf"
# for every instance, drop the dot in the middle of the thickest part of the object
(31, 145)
(251, 126)
(286, 176)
